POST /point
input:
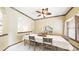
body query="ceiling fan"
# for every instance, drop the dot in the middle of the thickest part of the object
(43, 12)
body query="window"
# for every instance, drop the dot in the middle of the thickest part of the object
(1, 23)
(70, 28)
(1, 27)
(22, 25)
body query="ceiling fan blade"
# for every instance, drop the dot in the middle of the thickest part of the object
(38, 11)
(46, 9)
(38, 15)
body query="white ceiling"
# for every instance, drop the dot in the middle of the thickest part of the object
(31, 11)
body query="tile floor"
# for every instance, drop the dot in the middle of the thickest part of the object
(27, 47)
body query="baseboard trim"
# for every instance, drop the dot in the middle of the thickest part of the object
(11, 45)
(65, 37)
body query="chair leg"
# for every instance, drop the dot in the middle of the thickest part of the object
(29, 43)
(24, 42)
(34, 46)
(43, 46)
(56, 48)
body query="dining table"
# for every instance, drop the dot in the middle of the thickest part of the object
(58, 41)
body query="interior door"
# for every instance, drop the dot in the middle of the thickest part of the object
(77, 31)
(67, 24)
(77, 27)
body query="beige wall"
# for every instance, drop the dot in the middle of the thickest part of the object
(3, 42)
(5, 20)
(73, 12)
(4, 39)
(56, 23)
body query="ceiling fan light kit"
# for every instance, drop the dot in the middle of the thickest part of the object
(43, 12)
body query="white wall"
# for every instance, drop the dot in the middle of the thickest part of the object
(12, 25)
(56, 23)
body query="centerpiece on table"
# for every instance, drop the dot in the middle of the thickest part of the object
(44, 34)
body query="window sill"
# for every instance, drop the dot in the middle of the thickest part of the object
(1, 35)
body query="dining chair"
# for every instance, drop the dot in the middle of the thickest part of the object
(32, 40)
(47, 42)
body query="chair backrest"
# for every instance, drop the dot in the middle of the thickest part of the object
(47, 40)
(31, 38)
